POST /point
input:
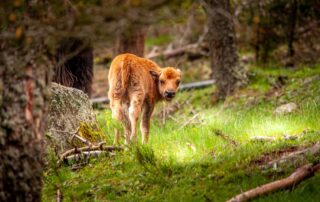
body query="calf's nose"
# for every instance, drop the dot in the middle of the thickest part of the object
(170, 93)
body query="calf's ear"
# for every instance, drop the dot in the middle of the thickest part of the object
(155, 75)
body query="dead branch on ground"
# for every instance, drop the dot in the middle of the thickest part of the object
(86, 155)
(90, 148)
(262, 138)
(284, 137)
(225, 137)
(189, 121)
(295, 178)
(292, 158)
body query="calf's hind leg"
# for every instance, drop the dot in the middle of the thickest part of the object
(134, 113)
(120, 113)
(145, 122)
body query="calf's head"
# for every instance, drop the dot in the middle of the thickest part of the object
(168, 80)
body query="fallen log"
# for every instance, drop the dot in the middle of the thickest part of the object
(179, 51)
(86, 155)
(188, 86)
(295, 178)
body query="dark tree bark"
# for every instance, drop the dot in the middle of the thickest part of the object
(24, 77)
(257, 43)
(24, 96)
(292, 21)
(74, 64)
(222, 43)
(132, 41)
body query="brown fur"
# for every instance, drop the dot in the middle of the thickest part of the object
(135, 85)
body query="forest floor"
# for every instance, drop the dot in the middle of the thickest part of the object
(200, 152)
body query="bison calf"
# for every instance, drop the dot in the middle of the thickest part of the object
(135, 85)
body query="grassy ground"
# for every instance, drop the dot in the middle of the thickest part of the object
(204, 152)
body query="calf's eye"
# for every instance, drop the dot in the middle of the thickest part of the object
(162, 82)
(178, 82)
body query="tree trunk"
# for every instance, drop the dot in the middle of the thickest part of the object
(132, 41)
(23, 103)
(292, 21)
(292, 26)
(24, 94)
(74, 64)
(222, 43)
(257, 43)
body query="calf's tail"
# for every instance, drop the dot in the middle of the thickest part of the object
(125, 76)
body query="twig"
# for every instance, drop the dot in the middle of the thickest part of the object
(83, 140)
(59, 195)
(262, 138)
(164, 114)
(75, 135)
(174, 119)
(295, 178)
(189, 121)
(225, 137)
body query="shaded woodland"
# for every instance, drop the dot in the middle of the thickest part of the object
(251, 120)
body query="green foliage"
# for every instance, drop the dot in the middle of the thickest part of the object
(158, 41)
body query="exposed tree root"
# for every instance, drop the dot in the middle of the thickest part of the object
(295, 178)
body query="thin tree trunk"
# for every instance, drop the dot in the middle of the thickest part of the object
(227, 72)
(257, 43)
(292, 26)
(292, 21)
(132, 41)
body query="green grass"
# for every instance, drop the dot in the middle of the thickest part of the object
(195, 163)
